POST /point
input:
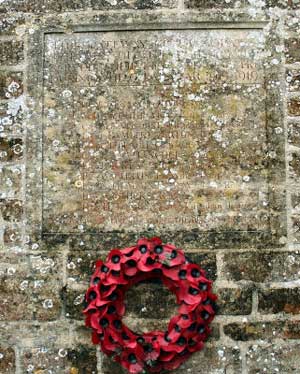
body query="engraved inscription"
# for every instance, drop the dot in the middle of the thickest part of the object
(163, 129)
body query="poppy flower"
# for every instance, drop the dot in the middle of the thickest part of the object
(130, 267)
(100, 274)
(172, 256)
(132, 360)
(128, 252)
(128, 338)
(151, 346)
(190, 294)
(115, 277)
(106, 289)
(187, 308)
(184, 321)
(114, 260)
(116, 299)
(167, 356)
(92, 294)
(195, 274)
(110, 343)
(99, 321)
(148, 245)
(149, 262)
(176, 273)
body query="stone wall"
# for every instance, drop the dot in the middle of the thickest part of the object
(44, 270)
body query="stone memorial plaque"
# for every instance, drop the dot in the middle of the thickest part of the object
(155, 129)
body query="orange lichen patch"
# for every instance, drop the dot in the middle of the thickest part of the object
(291, 308)
(74, 370)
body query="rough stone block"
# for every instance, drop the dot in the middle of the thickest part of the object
(48, 6)
(10, 181)
(11, 210)
(294, 134)
(261, 266)
(272, 301)
(142, 325)
(46, 274)
(77, 360)
(11, 117)
(11, 52)
(83, 335)
(11, 149)
(293, 80)
(7, 360)
(294, 107)
(10, 85)
(283, 4)
(73, 301)
(292, 23)
(133, 4)
(273, 359)
(9, 23)
(150, 300)
(80, 266)
(15, 293)
(294, 165)
(292, 50)
(82, 360)
(223, 4)
(296, 227)
(234, 301)
(263, 330)
(29, 291)
(12, 235)
(295, 201)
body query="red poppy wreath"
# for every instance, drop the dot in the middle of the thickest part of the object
(155, 351)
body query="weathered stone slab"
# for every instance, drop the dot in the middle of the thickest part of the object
(234, 301)
(263, 330)
(277, 358)
(279, 300)
(11, 52)
(10, 181)
(294, 107)
(11, 210)
(7, 360)
(156, 129)
(75, 360)
(11, 115)
(293, 80)
(52, 6)
(294, 134)
(10, 85)
(223, 4)
(261, 266)
(237, 4)
(292, 50)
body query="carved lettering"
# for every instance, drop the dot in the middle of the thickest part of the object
(168, 128)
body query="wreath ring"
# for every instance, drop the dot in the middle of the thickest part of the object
(155, 351)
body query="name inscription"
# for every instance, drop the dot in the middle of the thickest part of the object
(163, 129)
